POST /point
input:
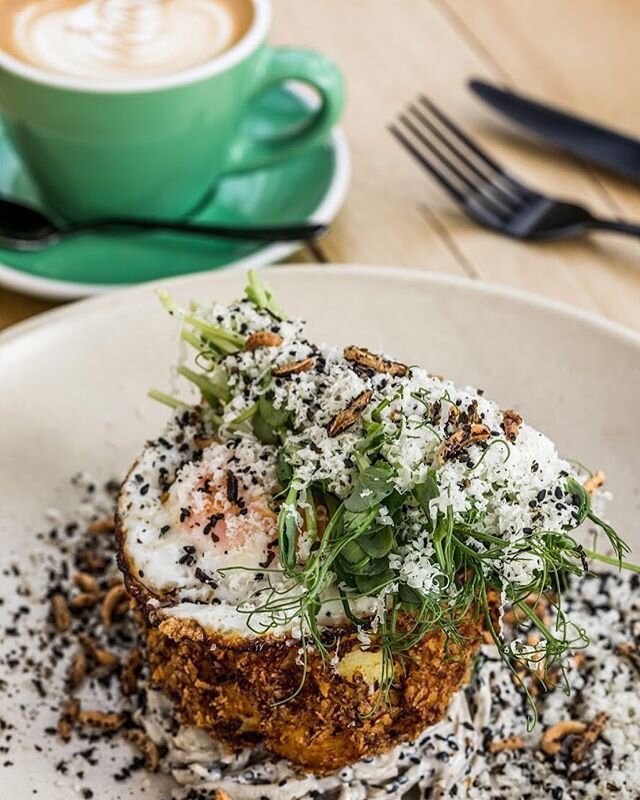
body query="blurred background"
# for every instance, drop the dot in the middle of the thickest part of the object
(578, 54)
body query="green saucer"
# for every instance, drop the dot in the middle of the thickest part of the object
(308, 186)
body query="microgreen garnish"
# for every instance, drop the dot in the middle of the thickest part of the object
(261, 296)
(410, 514)
(166, 399)
(584, 511)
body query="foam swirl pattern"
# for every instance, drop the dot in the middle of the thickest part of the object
(123, 39)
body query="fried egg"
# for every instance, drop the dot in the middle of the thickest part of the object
(197, 525)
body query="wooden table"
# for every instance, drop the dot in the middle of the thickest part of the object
(582, 54)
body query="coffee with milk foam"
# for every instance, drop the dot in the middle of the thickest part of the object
(120, 40)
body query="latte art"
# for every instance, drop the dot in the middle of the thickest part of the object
(121, 39)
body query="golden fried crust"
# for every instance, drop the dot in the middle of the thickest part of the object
(333, 720)
(248, 690)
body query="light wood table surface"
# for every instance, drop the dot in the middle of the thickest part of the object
(582, 54)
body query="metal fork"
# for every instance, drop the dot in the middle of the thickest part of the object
(483, 189)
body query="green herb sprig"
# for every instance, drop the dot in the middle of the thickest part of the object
(366, 533)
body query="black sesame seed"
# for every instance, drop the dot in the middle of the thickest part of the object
(204, 577)
(211, 524)
(232, 487)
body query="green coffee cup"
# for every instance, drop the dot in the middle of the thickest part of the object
(157, 147)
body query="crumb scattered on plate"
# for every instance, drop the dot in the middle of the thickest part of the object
(68, 632)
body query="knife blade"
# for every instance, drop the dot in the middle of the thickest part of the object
(581, 137)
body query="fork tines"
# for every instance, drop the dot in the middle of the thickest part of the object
(459, 165)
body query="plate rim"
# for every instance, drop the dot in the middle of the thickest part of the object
(52, 289)
(87, 305)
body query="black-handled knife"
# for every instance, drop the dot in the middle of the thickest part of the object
(575, 135)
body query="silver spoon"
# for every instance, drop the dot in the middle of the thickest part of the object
(24, 228)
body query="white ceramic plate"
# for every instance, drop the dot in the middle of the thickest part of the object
(74, 385)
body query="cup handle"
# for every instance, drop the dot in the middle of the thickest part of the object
(282, 64)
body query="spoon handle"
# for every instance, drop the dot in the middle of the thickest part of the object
(264, 233)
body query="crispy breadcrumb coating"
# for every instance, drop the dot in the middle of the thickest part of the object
(235, 693)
